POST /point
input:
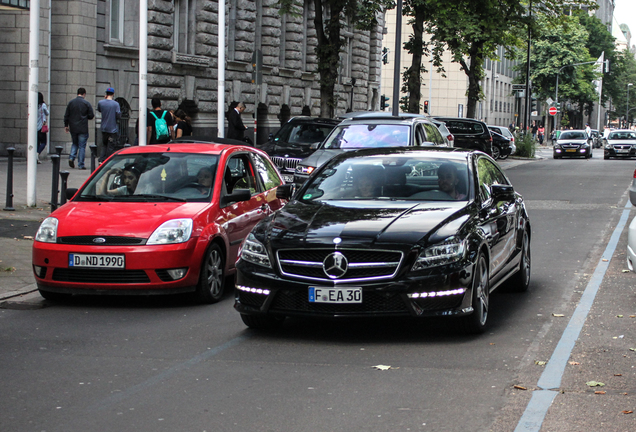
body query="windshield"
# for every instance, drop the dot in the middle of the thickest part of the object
(391, 177)
(157, 177)
(368, 135)
(622, 135)
(301, 134)
(573, 135)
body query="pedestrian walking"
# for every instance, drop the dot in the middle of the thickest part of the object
(43, 128)
(236, 128)
(534, 130)
(540, 134)
(111, 112)
(588, 130)
(159, 124)
(78, 112)
(184, 124)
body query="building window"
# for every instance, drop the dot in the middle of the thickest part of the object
(184, 26)
(117, 21)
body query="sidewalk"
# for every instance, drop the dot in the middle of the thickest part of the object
(18, 227)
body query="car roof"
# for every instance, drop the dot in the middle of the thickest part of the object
(187, 147)
(308, 119)
(379, 114)
(382, 120)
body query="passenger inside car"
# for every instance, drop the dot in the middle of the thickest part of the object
(368, 181)
(122, 181)
(448, 180)
(204, 180)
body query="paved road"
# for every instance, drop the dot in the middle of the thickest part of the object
(166, 364)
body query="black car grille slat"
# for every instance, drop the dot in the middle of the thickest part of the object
(294, 263)
(285, 163)
(439, 303)
(251, 299)
(372, 302)
(108, 240)
(100, 276)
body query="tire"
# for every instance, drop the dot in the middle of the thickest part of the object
(503, 157)
(475, 323)
(257, 322)
(54, 296)
(556, 157)
(520, 281)
(496, 153)
(212, 278)
(606, 157)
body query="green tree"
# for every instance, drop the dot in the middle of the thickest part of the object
(330, 18)
(624, 69)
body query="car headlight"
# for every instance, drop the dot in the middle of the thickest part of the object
(306, 170)
(171, 232)
(556, 146)
(47, 232)
(254, 251)
(448, 252)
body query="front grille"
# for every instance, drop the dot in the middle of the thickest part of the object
(100, 276)
(570, 146)
(372, 302)
(439, 303)
(108, 240)
(285, 163)
(362, 264)
(251, 299)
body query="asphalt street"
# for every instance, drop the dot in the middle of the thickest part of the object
(167, 364)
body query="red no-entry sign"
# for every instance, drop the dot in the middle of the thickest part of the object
(552, 111)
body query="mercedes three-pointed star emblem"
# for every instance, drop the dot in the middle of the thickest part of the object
(335, 265)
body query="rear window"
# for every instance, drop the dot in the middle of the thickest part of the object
(464, 128)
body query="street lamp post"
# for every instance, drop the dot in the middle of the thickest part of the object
(627, 111)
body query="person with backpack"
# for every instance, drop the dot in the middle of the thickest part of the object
(159, 124)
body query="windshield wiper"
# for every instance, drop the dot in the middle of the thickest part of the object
(96, 197)
(154, 196)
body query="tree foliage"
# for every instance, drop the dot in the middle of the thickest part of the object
(330, 18)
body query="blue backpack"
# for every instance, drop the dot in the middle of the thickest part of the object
(161, 127)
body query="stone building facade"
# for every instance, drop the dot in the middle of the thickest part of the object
(94, 44)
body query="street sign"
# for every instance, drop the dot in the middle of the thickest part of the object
(553, 111)
(549, 101)
(518, 87)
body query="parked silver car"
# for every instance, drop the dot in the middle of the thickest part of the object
(620, 143)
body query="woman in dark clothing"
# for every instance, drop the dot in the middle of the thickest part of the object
(184, 124)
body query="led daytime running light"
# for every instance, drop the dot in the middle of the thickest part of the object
(253, 290)
(457, 291)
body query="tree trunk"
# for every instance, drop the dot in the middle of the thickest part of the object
(328, 54)
(414, 73)
(474, 72)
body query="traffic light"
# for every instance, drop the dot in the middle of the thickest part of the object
(384, 102)
(385, 55)
(425, 107)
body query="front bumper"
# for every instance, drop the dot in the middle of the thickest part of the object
(259, 291)
(613, 152)
(145, 272)
(563, 152)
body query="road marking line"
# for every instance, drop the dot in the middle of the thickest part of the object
(118, 397)
(541, 400)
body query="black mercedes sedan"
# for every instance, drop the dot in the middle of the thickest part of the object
(388, 232)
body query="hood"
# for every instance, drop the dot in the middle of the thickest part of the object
(132, 219)
(320, 157)
(288, 150)
(362, 224)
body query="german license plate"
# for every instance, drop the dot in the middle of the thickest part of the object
(288, 178)
(623, 150)
(96, 261)
(570, 150)
(335, 295)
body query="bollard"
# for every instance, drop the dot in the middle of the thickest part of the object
(64, 175)
(9, 203)
(93, 148)
(55, 159)
(58, 150)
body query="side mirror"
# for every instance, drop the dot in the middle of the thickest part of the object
(285, 191)
(237, 196)
(502, 192)
(70, 193)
